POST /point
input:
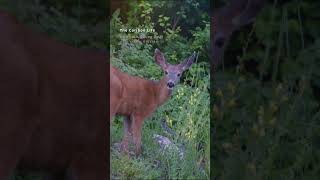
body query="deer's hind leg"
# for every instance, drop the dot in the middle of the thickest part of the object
(136, 130)
(127, 133)
(13, 140)
(18, 112)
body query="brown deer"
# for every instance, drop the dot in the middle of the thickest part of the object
(53, 105)
(228, 19)
(136, 98)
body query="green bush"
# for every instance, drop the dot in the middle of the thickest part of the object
(266, 101)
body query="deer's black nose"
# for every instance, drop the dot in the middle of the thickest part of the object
(170, 84)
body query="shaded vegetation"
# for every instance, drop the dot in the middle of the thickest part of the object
(266, 100)
(78, 23)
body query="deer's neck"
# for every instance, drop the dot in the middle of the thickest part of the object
(162, 92)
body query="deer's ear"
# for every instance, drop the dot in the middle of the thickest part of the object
(159, 57)
(249, 13)
(186, 64)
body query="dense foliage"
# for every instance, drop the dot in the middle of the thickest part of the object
(266, 99)
(183, 28)
(79, 23)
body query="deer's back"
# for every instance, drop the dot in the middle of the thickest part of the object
(137, 95)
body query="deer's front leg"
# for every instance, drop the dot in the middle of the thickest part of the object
(137, 126)
(127, 132)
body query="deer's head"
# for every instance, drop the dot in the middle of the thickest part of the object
(173, 72)
(228, 19)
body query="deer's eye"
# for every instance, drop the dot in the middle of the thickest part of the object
(219, 42)
(178, 74)
(166, 72)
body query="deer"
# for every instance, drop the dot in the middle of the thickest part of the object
(136, 98)
(226, 20)
(53, 105)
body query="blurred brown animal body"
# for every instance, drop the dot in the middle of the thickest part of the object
(136, 98)
(52, 105)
